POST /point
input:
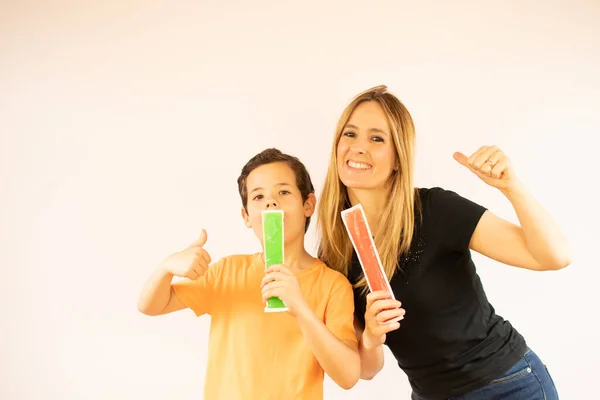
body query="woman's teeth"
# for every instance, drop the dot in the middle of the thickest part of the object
(358, 165)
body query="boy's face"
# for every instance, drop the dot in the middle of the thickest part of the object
(273, 187)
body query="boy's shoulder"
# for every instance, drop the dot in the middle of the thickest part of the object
(235, 270)
(238, 260)
(333, 276)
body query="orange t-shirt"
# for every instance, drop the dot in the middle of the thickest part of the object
(258, 355)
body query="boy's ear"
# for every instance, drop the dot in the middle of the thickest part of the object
(309, 205)
(246, 218)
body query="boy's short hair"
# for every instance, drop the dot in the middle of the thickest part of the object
(270, 156)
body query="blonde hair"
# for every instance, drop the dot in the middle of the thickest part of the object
(393, 238)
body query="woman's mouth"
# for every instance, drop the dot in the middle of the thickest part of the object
(358, 165)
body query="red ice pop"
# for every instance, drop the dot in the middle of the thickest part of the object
(360, 234)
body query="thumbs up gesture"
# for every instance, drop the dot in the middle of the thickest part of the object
(491, 165)
(191, 262)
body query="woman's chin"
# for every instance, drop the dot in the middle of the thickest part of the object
(357, 185)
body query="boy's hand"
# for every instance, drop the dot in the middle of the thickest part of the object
(190, 263)
(280, 282)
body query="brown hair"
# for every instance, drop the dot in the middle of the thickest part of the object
(395, 230)
(270, 156)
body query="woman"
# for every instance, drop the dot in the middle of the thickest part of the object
(452, 344)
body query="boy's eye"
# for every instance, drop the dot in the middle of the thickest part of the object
(284, 192)
(258, 197)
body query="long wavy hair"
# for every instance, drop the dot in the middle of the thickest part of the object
(397, 221)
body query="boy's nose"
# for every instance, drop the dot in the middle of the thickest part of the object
(271, 204)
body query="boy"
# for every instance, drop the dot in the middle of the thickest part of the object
(253, 354)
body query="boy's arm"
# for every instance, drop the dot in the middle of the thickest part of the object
(339, 358)
(334, 342)
(160, 296)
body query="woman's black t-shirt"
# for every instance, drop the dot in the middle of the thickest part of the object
(451, 340)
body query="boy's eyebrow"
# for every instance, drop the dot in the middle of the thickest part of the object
(373, 130)
(279, 184)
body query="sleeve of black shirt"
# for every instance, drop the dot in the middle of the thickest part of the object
(455, 218)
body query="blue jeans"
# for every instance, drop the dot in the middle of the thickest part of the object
(528, 379)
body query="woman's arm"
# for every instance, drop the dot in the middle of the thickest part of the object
(371, 355)
(537, 244)
(381, 317)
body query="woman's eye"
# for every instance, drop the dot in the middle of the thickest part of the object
(378, 139)
(349, 134)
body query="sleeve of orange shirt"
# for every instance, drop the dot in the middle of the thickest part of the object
(199, 295)
(339, 314)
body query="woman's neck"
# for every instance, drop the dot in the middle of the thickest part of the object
(372, 201)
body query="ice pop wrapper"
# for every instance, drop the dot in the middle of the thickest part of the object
(272, 225)
(362, 240)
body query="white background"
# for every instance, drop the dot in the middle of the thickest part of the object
(124, 126)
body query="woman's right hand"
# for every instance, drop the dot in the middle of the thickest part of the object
(381, 317)
(190, 263)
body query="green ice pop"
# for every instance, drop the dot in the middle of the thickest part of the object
(272, 224)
